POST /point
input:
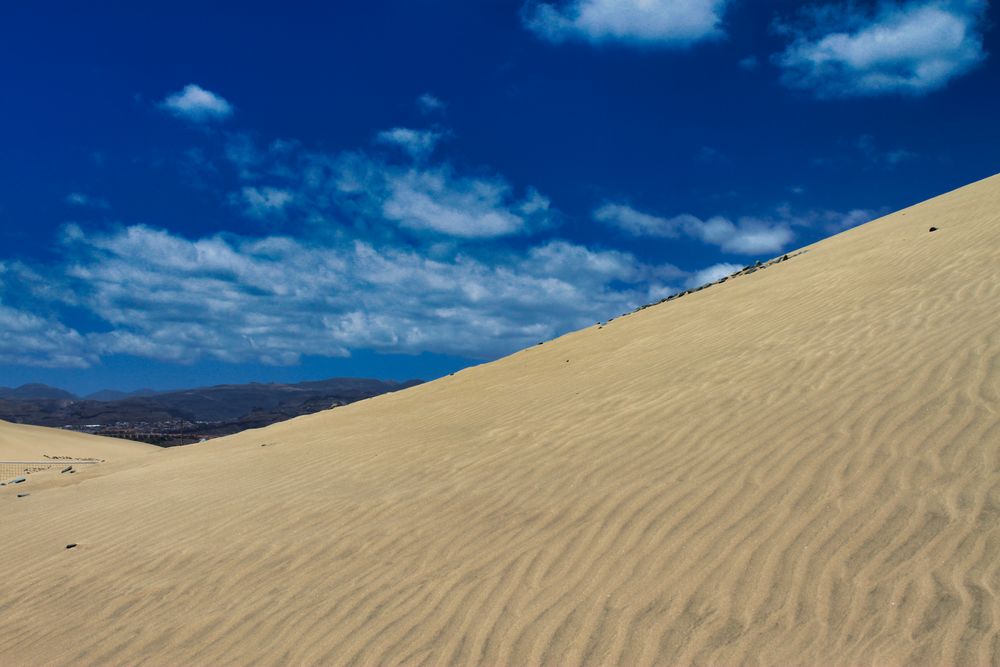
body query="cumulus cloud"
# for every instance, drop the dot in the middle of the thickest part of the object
(272, 299)
(197, 105)
(828, 220)
(834, 222)
(637, 223)
(30, 340)
(712, 273)
(418, 144)
(263, 202)
(910, 48)
(376, 193)
(440, 201)
(641, 22)
(746, 236)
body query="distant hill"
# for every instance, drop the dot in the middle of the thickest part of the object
(180, 417)
(232, 401)
(115, 395)
(35, 391)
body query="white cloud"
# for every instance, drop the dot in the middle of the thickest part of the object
(643, 22)
(828, 220)
(747, 236)
(418, 144)
(273, 299)
(911, 48)
(712, 273)
(636, 222)
(263, 202)
(30, 340)
(428, 103)
(837, 222)
(198, 105)
(375, 195)
(439, 201)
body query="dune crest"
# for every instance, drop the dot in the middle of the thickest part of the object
(798, 466)
(22, 442)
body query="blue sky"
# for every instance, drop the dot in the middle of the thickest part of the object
(194, 195)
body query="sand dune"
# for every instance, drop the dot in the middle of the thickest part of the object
(21, 442)
(23, 447)
(799, 466)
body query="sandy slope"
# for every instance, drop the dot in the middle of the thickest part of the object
(20, 442)
(800, 466)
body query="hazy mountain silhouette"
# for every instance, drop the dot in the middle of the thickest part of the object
(189, 414)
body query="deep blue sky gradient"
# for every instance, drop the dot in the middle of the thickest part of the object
(667, 130)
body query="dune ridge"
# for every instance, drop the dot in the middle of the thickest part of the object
(798, 466)
(23, 442)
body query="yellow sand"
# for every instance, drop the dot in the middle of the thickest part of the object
(800, 466)
(20, 442)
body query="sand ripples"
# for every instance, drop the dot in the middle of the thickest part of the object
(801, 466)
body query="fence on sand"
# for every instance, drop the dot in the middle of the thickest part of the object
(11, 469)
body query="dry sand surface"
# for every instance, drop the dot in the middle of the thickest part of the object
(22, 446)
(20, 442)
(799, 466)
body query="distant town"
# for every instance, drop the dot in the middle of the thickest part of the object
(173, 418)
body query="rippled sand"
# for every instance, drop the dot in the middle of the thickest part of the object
(799, 466)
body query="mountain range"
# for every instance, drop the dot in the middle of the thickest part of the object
(182, 416)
